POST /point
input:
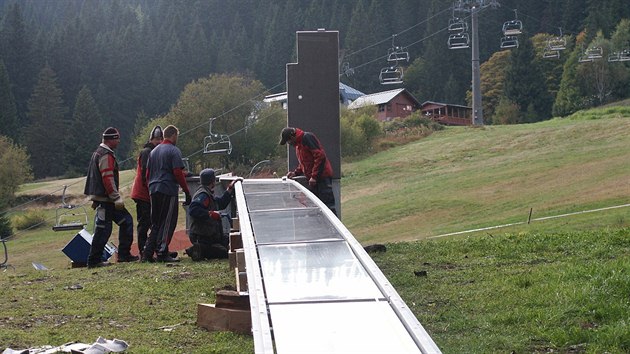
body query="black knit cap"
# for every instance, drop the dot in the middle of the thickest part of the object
(206, 176)
(111, 133)
(156, 133)
(286, 134)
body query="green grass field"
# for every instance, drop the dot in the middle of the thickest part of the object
(555, 285)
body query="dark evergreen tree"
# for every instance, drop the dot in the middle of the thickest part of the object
(8, 110)
(525, 84)
(46, 133)
(84, 132)
(17, 55)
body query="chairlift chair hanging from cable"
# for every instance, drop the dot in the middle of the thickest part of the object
(557, 43)
(216, 143)
(513, 27)
(624, 55)
(594, 53)
(68, 216)
(509, 42)
(550, 53)
(458, 41)
(457, 25)
(391, 75)
(397, 54)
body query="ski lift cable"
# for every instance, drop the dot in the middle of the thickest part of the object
(276, 86)
(12, 209)
(261, 94)
(399, 33)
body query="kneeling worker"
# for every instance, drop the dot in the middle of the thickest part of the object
(206, 228)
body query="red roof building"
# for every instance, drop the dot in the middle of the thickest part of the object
(447, 114)
(391, 104)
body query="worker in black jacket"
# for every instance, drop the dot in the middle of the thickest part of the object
(206, 228)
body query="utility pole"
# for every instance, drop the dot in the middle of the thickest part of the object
(473, 6)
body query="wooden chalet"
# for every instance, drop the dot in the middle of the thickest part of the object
(447, 114)
(391, 104)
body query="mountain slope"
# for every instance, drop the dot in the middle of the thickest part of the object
(464, 178)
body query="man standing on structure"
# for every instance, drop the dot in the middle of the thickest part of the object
(101, 186)
(312, 163)
(165, 173)
(140, 190)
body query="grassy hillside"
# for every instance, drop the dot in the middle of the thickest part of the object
(466, 178)
(559, 285)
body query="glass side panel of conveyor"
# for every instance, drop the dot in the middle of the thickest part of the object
(318, 271)
(252, 186)
(295, 225)
(339, 328)
(278, 200)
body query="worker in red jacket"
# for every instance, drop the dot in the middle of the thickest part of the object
(140, 190)
(312, 163)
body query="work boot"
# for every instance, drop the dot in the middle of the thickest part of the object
(194, 252)
(166, 259)
(127, 258)
(99, 265)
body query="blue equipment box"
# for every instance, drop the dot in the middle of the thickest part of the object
(78, 249)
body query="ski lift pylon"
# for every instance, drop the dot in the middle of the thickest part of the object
(68, 216)
(216, 143)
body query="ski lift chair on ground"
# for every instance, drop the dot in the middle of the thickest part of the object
(216, 143)
(68, 216)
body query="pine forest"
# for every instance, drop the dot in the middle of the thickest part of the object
(70, 68)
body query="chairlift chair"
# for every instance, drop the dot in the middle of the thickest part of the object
(512, 28)
(509, 42)
(216, 143)
(614, 57)
(458, 41)
(347, 70)
(557, 43)
(624, 55)
(397, 54)
(457, 25)
(550, 53)
(584, 59)
(391, 75)
(594, 53)
(69, 216)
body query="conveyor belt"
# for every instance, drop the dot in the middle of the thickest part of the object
(312, 287)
